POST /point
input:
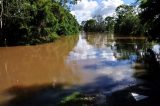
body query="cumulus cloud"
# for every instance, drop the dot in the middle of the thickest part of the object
(86, 9)
(83, 9)
(107, 7)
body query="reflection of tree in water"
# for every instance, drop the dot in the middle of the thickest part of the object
(151, 62)
(135, 49)
(99, 39)
(145, 55)
(127, 48)
(123, 47)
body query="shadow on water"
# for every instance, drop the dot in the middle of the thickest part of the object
(54, 94)
(49, 94)
(37, 95)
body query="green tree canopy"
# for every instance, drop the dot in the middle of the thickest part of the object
(127, 21)
(150, 17)
(110, 22)
(90, 25)
(35, 21)
(97, 24)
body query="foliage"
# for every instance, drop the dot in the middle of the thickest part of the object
(100, 25)
(28, 21)
(110, 22)
(90, 25)
(150, 17)
(127, 21)
(70, 98)
(130, 20)
(80, 99)
(94, 25)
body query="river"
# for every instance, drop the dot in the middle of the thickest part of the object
(90, 62)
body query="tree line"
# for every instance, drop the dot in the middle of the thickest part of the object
(130, 20)
(125, 22)
(34, 21)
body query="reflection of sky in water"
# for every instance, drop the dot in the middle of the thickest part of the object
(83, 50)
(102, 61)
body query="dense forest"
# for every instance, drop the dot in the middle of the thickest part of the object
(140, 18)
(125, 22)
(35, 21)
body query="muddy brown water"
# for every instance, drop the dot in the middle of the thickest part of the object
(90, 60)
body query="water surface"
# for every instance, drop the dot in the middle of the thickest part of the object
(90, 61)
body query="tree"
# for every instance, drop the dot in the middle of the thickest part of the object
(100, 26)
(150, 17)
(127, 21)
(35, 21)
(14, 12)
(97, 24)
(90, 25)
(66, 3)
(110, 22)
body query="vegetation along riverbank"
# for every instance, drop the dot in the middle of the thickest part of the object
(32, 22)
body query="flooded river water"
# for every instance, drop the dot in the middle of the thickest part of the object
(91, 61)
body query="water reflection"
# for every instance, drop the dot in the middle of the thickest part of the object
(106, 55)
(92, 61)
(84, 50)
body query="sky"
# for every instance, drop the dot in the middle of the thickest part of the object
(86, 9)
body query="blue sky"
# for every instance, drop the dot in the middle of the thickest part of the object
(86, 9)
(128, 1)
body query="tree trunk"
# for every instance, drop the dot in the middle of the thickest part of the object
(1, 21)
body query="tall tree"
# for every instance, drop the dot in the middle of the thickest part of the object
(100, 25)
(150, 16)
(127, 21)
(110, 22)
(90, 25)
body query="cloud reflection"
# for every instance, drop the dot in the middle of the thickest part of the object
(101, 60)
(83, 50)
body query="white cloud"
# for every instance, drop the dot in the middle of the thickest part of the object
(86, 9)
(107, 7)
(83, 9)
